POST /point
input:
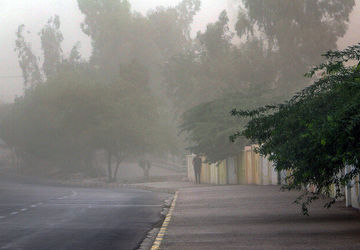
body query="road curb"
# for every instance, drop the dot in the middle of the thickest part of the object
(160, 236)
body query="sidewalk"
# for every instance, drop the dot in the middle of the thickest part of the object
(257, 217)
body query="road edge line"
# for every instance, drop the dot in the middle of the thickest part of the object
(160, 236)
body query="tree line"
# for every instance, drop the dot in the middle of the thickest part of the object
(314, 135)
(275, 43)
(148, 79)
(72, 107)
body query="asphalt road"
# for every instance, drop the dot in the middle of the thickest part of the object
(34, 216)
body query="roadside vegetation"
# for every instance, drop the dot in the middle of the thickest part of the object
(314, 135)
(151, 88)
(278, 41)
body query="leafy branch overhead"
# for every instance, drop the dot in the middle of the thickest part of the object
(315, 134)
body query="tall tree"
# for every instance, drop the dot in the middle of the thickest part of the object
(129, 125)
(295, 32)
(121, 37)
(278, 44)
(107, 23)
(217, 37)
(214, 67)
(27, 60)
(51, 38)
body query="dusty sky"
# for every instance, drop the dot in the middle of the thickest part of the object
(34, 13)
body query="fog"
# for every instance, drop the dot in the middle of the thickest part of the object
(117, 115)
(34, 15)
(102, 89)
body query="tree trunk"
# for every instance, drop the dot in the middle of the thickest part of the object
(146, 173)
(118, 161)
(109, 166)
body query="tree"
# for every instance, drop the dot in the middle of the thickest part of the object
(200, 67)
(295, 32)
(170, 27)
(27, 60)
(108, 24)
(277, 42)
(131, 119)
(217, 37)
(316, 133)
(187, 9)
(51, 38)
(214, 67)
(145, 165)
(121, 37)
(64, 120)
(49, 124)
(207, 81)
(209, 126)
(77, 109)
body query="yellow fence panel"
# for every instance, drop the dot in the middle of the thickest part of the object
(248, 165)
(241, 168)
(256, 166)
(205, 173)
(222, 172)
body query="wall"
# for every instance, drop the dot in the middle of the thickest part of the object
(190, 168)
(352, 195)
(248, 167)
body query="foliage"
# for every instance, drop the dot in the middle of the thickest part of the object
(64, 120)
(27, 60)
(209, 126)
(214, 67)
(47, 123)
(121, 37)
(136, 59)
(276, 41)
(295, 32)
(51, 38)
(316, 133)
(80, 107)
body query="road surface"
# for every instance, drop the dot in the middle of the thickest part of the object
(34, 216)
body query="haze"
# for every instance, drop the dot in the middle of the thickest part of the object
(176, 124)
(35, 14)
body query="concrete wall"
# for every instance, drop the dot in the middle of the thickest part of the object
(355, 195)
(190, 167)
(352, 195)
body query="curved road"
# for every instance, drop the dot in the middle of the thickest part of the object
(49, 217)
